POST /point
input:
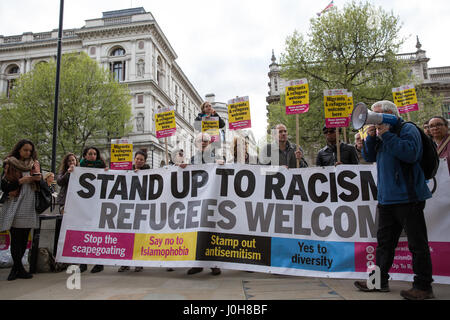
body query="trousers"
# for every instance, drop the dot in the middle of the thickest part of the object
(19, 240)
(392, 220)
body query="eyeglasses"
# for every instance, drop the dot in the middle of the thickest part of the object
(437, 125)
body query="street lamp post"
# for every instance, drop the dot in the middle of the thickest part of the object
(152, 147)
(58, 67)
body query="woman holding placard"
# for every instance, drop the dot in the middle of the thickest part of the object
(207, 112)
(140, 159)
(92, 159)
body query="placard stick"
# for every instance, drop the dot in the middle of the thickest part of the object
(345, 134)
(297, 137)
(338, 145)
(409, 117)
(167, 152)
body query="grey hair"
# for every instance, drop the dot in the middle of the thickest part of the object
(386, 106)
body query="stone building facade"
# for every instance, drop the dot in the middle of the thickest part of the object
(133, 47)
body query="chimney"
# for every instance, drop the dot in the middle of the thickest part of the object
(210, 97)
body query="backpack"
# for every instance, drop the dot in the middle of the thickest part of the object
(46, 262)
(430, 159)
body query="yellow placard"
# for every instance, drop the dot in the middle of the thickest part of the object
(165, 246)
(336, 104)
(297, 96)
(350, 103)
(121, 152)
(405, 97)
(211, 126)
(165, 120)
(239, 113)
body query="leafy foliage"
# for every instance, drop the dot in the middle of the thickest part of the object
(92, 107)
(355, 49)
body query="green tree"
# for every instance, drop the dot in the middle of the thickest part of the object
(93, 108)
(353, 48)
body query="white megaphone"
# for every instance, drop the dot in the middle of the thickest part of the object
(362, 116)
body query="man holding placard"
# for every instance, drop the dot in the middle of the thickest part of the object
(327, 156)
(282, 152)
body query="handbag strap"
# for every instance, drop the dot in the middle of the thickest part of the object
(443, 145)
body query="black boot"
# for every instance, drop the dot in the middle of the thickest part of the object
(13, 274)
(23, 274)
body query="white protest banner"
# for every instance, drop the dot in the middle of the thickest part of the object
(318, 222)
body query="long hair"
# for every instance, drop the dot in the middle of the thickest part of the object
(85, 151)
(64, 163)
(203, 106)
(16, 150)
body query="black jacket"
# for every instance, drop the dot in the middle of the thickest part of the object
(286, 158)
(327, 156)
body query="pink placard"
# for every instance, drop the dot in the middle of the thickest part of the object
(297, 109)
(337, 122)
(127, 165)
(165, 133)
(439, 251)
(98, 245)
(4, 241)
(244, 124)
(411, 107)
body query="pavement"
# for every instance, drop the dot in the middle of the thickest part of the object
(159, 284)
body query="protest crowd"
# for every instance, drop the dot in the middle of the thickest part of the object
(402, 193)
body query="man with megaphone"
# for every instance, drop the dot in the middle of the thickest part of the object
(402, 192)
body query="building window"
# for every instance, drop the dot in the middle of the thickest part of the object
(11, 83)
(446, 110)
(141, 45)
(118, 70)
(117, 66)
(13, 70)
(160, 72)
(12, 73)
(118, 52)
(140, 98)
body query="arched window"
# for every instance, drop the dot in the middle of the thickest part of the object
(12, 73)
(117, 67)
(14, 69)
(118, 52)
